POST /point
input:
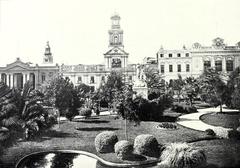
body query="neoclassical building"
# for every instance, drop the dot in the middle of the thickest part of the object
(16, 74)
(193, 61)
(115, 59)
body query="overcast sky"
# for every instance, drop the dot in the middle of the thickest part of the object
(78, 30)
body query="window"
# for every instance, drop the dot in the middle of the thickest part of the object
(43, 77)
(161, 55)
(170, 68)
(218, 65)
(179, 67)
(187, 54)
(187, 68)
(170, 55)
(206, 64)
(162, 68)
(178, 55)
(229, 65)
(92, 79)
(79, 79)
(130, 78)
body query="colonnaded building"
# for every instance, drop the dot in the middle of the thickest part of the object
(192, 62)
(115, 59)
(16, 74)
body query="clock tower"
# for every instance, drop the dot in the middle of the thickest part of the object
(116, 57)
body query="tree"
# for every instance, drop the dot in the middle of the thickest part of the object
(22, 110)
(213, 88)
(126, 106)
(190, 89)
(233, 89)
(155, 83)
(113, 85)
(177, 86)
(61, 94)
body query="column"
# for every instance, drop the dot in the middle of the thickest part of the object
(7, 80)
(11, 80)
(1, 77)
(24, 79)
(28, 76)
(224, 64)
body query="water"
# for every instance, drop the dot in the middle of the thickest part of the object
(61, 159)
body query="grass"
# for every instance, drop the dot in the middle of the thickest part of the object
(227, 120)
(80, 136)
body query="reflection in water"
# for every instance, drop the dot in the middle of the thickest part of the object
(59, 159)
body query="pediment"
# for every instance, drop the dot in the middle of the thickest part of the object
(18, 65)
(116, 51)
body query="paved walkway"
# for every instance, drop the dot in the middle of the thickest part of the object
(193, 121)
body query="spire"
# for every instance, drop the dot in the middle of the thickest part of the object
(47, 54)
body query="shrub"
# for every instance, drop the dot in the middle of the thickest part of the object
(146, 144)
(105, 141)
(123, 149)
(238, 129)
(167, 125)
(86, 112)
(181, 155)
(234, 134)
(183, 108)
(210, 132)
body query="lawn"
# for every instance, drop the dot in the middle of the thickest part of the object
(80, 135)
(227, 119)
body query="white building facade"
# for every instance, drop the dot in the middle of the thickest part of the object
(192, 62)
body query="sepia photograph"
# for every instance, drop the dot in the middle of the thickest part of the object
(119, 84)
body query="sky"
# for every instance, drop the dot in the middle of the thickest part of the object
(77, 30)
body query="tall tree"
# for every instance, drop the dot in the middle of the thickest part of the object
(177, 86)
(155, 83)
(213, 87)
(190, 89)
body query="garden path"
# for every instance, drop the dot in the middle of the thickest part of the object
(193, 121)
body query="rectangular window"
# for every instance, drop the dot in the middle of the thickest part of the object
(187, 54)
(207, 64)
(229, 65)
(169, 55)
(187, 68)
(178, 55)
(79, 79)
(170, 68)
(43, 77)
(92, 79)
(218, 65)
(162, 68)
(161, 55)
(179, 67)
(130, 78)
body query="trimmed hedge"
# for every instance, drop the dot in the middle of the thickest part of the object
(105, 141)
(181, 155)
(234, 134)
(183, 108)
(146, 144)
(123, 149)
(210, 132)
(86, 112)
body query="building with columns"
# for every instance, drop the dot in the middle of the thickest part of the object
(115, 59)
(16, 74)
(193, 61)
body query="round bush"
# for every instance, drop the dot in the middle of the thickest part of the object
(146, 145)
(210, 132)
(86, 112)
(123, 149)
(181, 155)
(234, 134)
(105, 141)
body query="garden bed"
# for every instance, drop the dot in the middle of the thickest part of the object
(226, 120)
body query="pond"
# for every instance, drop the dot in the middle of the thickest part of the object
(67, 159)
